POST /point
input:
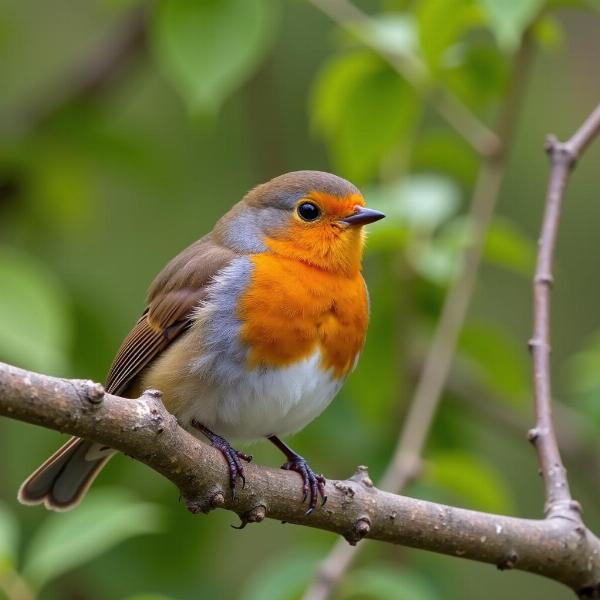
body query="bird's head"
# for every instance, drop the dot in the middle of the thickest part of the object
(310, 216)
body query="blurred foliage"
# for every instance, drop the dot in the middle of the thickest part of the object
(385, 583)
(208, 48)
(357, 78)
(584, 377)
(29, 289)
(463, 478)
(284, 577)
(98, 191)
(65, 541)
(509, 19)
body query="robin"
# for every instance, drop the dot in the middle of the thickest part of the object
(249, 332)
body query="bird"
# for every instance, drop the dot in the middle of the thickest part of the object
(249, 333)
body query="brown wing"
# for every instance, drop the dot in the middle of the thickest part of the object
(173, 295)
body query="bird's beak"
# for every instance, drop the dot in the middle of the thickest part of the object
(362, 216)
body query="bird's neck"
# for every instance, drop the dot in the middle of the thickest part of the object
(339, 252)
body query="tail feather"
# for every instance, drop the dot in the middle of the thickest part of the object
(62, 481)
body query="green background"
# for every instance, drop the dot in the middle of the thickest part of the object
(99, 195)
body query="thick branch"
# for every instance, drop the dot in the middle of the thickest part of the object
(563, 158)
(143, 429)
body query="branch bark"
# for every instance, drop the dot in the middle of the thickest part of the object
(563, 156)
(556, 548)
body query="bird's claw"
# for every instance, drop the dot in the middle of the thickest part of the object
(232, 456)
(313, 485)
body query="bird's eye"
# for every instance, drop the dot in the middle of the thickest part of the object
(308, 211)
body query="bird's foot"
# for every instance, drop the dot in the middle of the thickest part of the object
(232, 456)
(313, 485)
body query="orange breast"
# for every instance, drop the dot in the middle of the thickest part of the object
(291, 309)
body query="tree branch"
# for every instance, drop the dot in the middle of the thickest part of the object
(143, 429)
(563, 156)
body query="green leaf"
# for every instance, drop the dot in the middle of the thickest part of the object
(508, 19)
(507, 246)
(475, 481)
(336, 80)
(207, 48)
(65, 541)
(441, 24)
(385, 583)
(498, 358)
(364, 110)
(283, 577)
(9, 538)
(35, 325)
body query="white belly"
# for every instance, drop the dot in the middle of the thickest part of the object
(263, 401)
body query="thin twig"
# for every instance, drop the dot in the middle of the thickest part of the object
(563, 157)
(483, 140)
(142, 428)
(406, 459)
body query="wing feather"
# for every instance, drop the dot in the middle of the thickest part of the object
(178, 289)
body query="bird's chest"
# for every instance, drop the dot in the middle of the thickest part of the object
(291, 310)
(277, 342)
